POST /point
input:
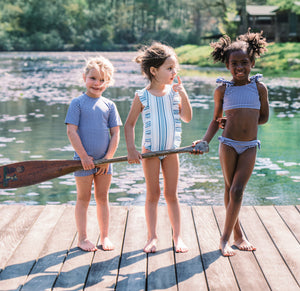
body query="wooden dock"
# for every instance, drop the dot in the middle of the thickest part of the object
(38, 251)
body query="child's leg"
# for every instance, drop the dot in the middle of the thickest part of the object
(237, 170)
(151, 167)
(228, 163)
(170, 169)
(84, 186)
(102, 184)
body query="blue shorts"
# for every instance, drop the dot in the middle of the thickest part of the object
(239, 146)
(83, 173)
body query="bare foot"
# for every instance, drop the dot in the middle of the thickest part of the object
(106, 244)
(244, 245)
(180, 246)
(226, 250)
(87, 246)
(150, 246)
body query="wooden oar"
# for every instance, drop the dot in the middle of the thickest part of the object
(32, 172)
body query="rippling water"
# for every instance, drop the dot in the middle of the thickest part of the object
(36, 89)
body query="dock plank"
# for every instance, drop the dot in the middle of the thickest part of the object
(133, 266)
(273, 267)
(249, 275)
(77, 264)
(286, 243)
(189, 268)
(104, 270)
(161, 269)
(14, 232)
(45, 254)
(7, 214)
(218, 270)
(291, 217)
(25, 256)
(57, 246)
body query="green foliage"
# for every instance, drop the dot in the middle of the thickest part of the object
(281, 59)
(195, 55)
(229, 25)
(286, 5)
(105, 24)
(111, 24)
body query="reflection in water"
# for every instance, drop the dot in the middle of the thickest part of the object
(36, 89)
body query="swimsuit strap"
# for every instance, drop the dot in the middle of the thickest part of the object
(230, 83)
(224, 82)
(256, 77)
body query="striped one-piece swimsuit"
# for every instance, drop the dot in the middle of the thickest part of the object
(162, 124)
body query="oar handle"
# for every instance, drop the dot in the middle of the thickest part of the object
(201, 146)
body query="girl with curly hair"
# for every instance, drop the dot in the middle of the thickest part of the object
(244, 100)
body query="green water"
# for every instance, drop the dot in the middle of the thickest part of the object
(36, 89)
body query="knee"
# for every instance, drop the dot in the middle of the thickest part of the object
(102, 200)
(236, 193)
(171, 197)
(84, 198)
(153, 197)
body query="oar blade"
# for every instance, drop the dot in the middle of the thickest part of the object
(32, 172)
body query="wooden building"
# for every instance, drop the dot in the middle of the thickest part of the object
(277, 24)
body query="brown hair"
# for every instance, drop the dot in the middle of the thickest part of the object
(153, 56)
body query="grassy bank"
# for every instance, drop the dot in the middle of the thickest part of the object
(281, 60)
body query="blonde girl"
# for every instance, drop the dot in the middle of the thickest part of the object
(93, 129)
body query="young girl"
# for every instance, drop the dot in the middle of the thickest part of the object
(162, 105)
(245, 102)
(93, 130)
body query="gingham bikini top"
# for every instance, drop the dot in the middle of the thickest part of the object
(245, 96)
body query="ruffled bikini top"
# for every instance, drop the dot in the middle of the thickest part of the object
(245, 96)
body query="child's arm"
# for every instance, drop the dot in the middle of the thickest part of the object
(186, 112)
(133, 155)
(218, 113)
(114, 142)
(86, 161)
(112, 147)
(264, 103)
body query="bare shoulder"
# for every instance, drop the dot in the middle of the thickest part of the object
(221, 88)
(137, 100)
(262, 88)
(219, 92)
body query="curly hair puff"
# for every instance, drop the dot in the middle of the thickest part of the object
(252, 43)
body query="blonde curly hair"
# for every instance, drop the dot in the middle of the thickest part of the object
(101, 64)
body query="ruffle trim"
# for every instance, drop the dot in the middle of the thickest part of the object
(230, 83)
(178, 130)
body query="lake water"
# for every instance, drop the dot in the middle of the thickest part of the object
(36, 89)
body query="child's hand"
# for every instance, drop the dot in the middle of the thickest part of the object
(196, 152)
(178, 87)
(134, 157)
(87, 163)
(102, 169)
(222, 122)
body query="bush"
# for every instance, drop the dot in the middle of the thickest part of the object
(46, 41)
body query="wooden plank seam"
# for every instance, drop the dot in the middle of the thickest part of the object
(287, 225)
(122, 247)
(234, 274)
(277, 248)
(201, 254)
